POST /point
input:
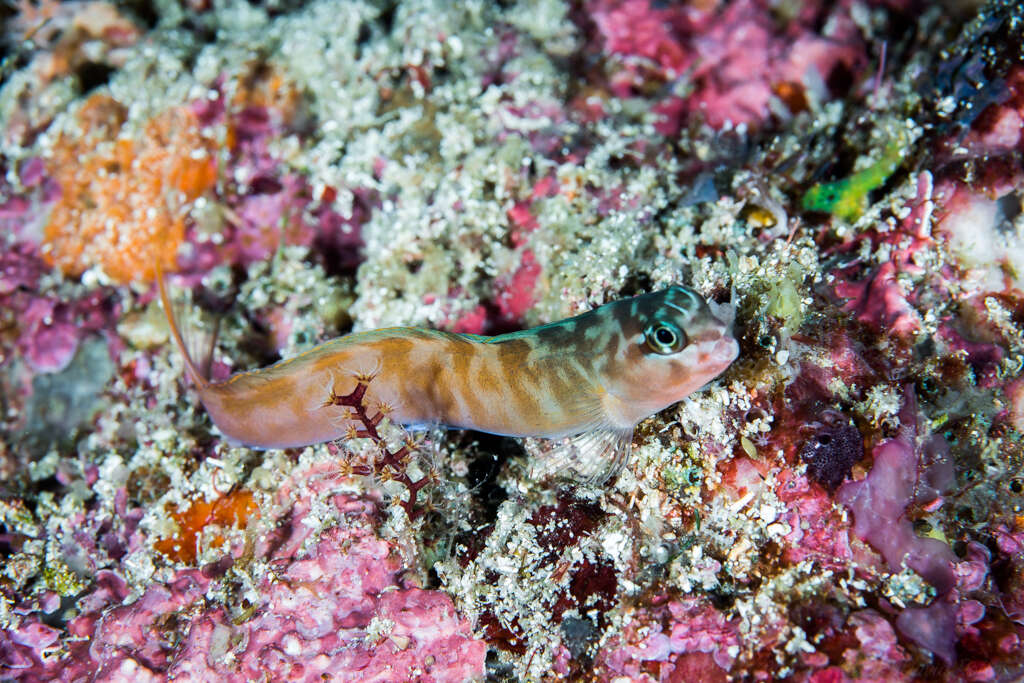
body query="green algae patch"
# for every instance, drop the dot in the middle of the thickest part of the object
(848, 198)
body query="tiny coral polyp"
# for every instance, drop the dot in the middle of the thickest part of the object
(123, 199)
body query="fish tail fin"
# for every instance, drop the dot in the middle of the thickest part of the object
(199, 378)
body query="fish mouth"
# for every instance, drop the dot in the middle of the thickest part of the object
(723, 351)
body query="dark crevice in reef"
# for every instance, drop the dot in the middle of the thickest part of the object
(483, 472)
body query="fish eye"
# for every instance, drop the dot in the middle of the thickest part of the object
(664, 338)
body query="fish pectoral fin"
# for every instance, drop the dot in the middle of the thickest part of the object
(584, 405)
(592, 457)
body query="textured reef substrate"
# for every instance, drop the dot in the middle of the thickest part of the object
(843, 504)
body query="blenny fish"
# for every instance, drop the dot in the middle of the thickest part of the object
(580, 384)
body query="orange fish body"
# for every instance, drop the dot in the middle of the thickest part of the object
(587, 380)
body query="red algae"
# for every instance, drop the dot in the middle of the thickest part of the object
(262, 203)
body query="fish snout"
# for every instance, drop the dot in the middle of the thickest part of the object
(719, 353)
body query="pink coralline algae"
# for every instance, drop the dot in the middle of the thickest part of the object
(23, 209)
(316, 620)
(902, 475)
(879, 656)
(1010, 543)
(740, 66)
(338, 610)
(880, 300)
(48, 330)
(263, 202)
(473, 322)
(683, 640)
(932, 627)
(983, 357)
(817, 532)
(879, 502)
(50, 336)
(516, 291)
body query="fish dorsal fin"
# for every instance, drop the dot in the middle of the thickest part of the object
(191, 342)
(592, 457)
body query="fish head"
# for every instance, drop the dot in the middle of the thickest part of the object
(674, 343)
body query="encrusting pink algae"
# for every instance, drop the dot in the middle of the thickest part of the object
(845, 180)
